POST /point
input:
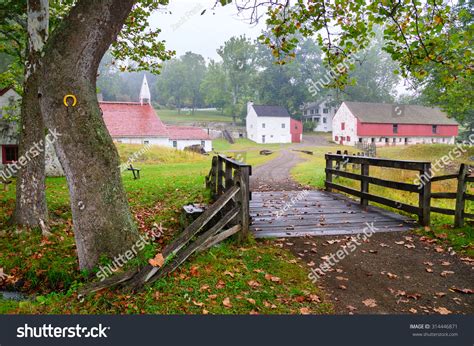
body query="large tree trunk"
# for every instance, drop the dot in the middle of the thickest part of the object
(102, 221)
(31, 209)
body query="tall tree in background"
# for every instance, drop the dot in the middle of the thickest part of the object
(194, 67)
(214, 86)
(238, 62)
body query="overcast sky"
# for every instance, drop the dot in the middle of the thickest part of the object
(186, 30)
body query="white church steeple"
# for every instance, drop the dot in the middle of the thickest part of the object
(145, 96)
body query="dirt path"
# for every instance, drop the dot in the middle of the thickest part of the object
(388, 274)
(275, 174)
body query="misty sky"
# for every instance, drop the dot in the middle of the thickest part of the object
(186, 30)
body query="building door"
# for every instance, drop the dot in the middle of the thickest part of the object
(263, 138)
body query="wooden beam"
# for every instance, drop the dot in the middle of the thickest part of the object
(374, 198)
(460, 200)
(410, 165)
(442, 211)
(444, 177)
(377, 181)
(424, 200)
(444, 195)
(364, 185)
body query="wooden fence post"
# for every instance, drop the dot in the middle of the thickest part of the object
(244, 201)
(228, 179)
(364, 185)
(460, 197)
(220, 176)
(213, 178)
(328, 174)
(424, 200)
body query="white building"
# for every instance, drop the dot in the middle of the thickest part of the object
(321, 114)
(137, 123)
(272, 124)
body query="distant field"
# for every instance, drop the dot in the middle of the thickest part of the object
(172, 116)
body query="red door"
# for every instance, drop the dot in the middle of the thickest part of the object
(296, 129)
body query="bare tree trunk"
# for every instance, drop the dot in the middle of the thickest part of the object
(31, 209)
(102, 221)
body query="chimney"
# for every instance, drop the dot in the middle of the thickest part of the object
(249, 105)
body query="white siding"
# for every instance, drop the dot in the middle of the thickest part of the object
(251, 124)
(163, 141)
(275, 130)
(344, 115)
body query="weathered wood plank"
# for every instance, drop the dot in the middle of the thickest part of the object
(443, 195)
(444, 177)
(377, 181)
(378, 199)
(400, 164)
(460, 200)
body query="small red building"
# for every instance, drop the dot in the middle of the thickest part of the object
(387, 124)
(296, 130)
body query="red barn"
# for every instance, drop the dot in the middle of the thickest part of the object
(296, 130)
(387, 124)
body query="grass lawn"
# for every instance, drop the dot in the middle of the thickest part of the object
(256, 277)
(172, 116)
(312, 173)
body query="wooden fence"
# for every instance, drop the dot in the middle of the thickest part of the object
(227, 174)
(423, 189)
(460, 196)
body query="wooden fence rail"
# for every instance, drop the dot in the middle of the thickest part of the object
(225, 174)
(423, 189)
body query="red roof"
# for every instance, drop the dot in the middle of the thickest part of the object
(131, 119)
(187, 132)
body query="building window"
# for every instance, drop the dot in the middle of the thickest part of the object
(394, 140)
(380, 139)
(263, 125)
(336, 138)
(373, 140)
(435, 128)
(175, 144)
(9, 153)
(395, 128)
(317, 110)
(348, 138)
(146, 142)
(343, 126)
(312, 111)
(282, 126)
(360, 140)
(325, 111)
(324, 120)
(316, 119)
(406, 140)
(203, 144)
(386, 140)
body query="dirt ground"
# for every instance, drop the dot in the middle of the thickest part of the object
(390, 273)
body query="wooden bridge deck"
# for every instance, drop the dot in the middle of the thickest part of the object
(317, 213)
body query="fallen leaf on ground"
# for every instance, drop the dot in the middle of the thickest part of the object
(254, 283)
(428, 263)
(442, 311)
(340, 278)
(205, 312)
(429, 270)
(413, 311)
(158, 261)
(439, 249)
(194, 271)
(204, 288)
(305, 311)
(445, 263)
(198, 303)
(220, 284)
(342, 287)
(272, 278)
(392, 276)
(400, 242)
(445, 273)
(371, 303)
(226, 302)
(251, 301)
(351, 308)
(440, 294)
(229, 273)
(463, 290)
